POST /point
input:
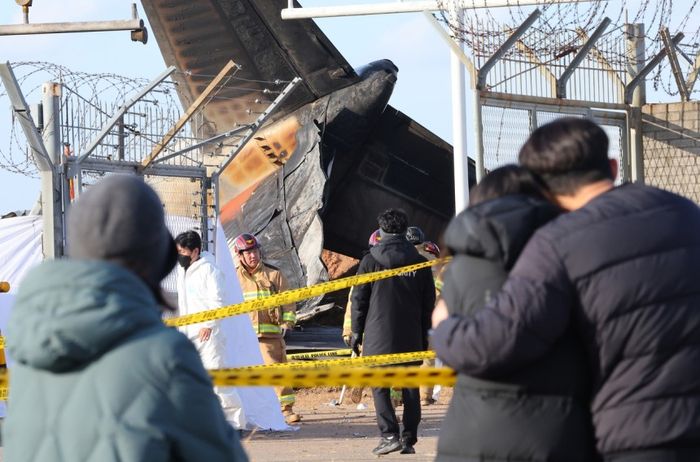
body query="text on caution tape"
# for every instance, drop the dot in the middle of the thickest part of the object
(296, 295)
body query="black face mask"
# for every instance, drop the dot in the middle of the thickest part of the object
(184, 260)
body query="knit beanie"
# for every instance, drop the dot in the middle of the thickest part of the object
(120, 219)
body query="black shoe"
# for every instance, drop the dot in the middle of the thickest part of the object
(387, 444)
(407, 446)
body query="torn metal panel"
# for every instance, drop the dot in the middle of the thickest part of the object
(200, 36)
(401, 164)
(283, 213)
(333, 156)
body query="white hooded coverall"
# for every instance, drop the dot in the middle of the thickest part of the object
(202, 288)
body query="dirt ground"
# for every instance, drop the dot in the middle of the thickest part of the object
(340, 433)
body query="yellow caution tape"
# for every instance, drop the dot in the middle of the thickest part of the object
(397, 377)
(292, 296)
(374, 360)
(379, 377)
(296, 295)
(4, 384)
(320, 354)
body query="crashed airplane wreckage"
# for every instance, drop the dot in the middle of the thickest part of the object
(334, 154)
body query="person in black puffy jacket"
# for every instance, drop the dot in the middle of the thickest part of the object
(620, 273)
(538, 413)
(393, 316)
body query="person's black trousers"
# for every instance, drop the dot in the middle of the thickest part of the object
(386, 416)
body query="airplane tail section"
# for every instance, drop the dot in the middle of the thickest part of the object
(200, 36)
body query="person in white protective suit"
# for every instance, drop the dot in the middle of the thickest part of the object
(200, 287)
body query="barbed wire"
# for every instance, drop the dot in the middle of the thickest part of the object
(557, 33)
(90, 99)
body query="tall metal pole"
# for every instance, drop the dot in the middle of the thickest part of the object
(51, 197)
(478, 131)
(635, 63)
(459, 118)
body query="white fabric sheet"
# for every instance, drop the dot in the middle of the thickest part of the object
(20, 248)
(260, 404)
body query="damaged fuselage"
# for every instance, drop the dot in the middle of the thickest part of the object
(334, 155)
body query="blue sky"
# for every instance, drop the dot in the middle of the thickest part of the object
(423, 59)
(422, 90)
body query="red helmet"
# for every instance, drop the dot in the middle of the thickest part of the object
(245, 241)
(432, 248)
(374, 238)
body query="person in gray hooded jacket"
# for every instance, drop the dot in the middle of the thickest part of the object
(97, 375)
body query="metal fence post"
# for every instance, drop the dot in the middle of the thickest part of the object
(459, 120)
(52, 202)
(635, 63)
(478, 132)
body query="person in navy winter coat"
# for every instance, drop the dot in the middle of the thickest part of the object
(536, 413)
(619, 272)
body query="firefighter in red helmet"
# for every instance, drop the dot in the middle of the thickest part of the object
(373, 240)
(258, 280)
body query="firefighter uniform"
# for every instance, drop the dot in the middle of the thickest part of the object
(426, 391)
(347, 318)
(269, 324)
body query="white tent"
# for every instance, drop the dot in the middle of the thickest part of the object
(20, 247)
(260, 404)
(20, 250)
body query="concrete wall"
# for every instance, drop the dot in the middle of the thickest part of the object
(672, 147)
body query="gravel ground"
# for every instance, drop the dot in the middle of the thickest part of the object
(340, 433)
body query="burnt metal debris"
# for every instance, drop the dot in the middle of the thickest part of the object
(334, 155)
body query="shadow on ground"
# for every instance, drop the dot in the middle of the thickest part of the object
(339, 433)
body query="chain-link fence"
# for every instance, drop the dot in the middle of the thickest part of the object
(117, 124)
(672, 147)
(535, 64)
(507, 125)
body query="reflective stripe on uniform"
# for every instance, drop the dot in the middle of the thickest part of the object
(438, 286)
(289, 316)
(286, 400)
(269, 329)
(254, 294)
